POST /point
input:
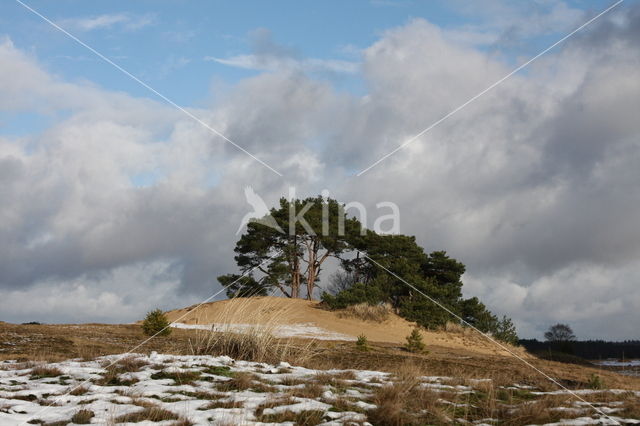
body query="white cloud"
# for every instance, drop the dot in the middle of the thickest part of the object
(269, 56)
(533, 186)
(254, 62)
(123, 20)
(507, 24)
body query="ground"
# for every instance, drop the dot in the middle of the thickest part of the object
(84, 372)
(188, 390)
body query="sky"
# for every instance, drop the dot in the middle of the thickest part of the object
(118, 196)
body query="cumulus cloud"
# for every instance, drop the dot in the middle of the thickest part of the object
(533, 186)
(504, 24)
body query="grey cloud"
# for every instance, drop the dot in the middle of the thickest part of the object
(534, 186)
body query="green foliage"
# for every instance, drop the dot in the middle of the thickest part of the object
(414, 342)
(475, 313)
(447, 275)
(423, 311)
(358, 293)
(595, 382)
(362, 344)
(156, 322)
(506, 331)
(242, 286)
(288, 255)
(280, 250)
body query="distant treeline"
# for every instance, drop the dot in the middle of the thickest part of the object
(587, 349)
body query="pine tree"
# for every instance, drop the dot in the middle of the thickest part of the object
(290, 256)
(506, 331)
(414, 342)
(362, 343)
(156, 322)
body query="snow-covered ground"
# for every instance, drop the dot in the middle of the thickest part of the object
(627, 368)
(307, 331)
(617, 363)
(208, 390)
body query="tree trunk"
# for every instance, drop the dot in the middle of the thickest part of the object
(311, 271)
(295, 275)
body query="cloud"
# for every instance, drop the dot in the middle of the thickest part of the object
(270, 56)
(533, 186)
(506, 25)
(254, 62)
(123, 20)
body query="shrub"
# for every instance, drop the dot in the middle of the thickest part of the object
(358, 293)
(362, 343)
(156, 323)
(595, 382)
(414, 342)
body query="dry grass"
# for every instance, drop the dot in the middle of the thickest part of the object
(405, 403)
(302, 418)
(308, 390)
(631, 407)
(153, 414)
(59, 342)
(366, 312)
(537, 412)
(78, 390)
(43, 371)
(239, 382)
(274, 402)
(222, 404)
(82, 417)
(456, 328)
(254, 343)
(178, 377)
(112, 377)
(341, 403)
(131, 364)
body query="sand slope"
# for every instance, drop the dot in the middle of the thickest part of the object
(289, 312)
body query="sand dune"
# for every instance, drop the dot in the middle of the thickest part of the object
(282, 314)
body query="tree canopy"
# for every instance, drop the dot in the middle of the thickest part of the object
(290, 259)
(559, 333)
(375, 268)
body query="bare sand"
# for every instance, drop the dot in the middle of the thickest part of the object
(284, 311)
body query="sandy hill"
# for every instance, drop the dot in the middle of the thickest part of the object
(307, 319)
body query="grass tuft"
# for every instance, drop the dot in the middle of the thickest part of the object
(43, 371)
(367, 312)
(82, 417)
(153, 414)
(302, 418)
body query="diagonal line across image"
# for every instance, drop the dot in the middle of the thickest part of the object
(487, 336)
(404, 145)
(488, 89)
(147, 86)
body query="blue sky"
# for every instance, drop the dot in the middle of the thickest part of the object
(171, 44)
(108, 195)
